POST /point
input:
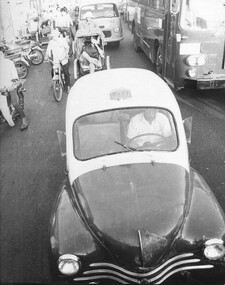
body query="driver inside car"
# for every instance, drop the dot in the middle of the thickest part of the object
(148, 127)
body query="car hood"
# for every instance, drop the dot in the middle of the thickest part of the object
(135, 210)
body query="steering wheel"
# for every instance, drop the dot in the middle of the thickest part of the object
(148, 144)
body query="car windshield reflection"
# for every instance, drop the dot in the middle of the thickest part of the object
(123, 130)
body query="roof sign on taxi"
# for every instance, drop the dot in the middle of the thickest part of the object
(120, 93)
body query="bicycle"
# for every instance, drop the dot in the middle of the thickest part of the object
(58, 80)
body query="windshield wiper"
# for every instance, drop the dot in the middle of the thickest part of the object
(124, 146)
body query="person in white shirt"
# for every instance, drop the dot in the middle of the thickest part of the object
(58, 52)
(63, 20)
(148, 122)
(9, 81)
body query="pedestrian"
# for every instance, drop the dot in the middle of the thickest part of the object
(8, 80)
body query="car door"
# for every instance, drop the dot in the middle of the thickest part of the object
(170, 43)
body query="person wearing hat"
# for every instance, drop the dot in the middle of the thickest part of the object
(9, 81)
(88, 22)
(58, 51)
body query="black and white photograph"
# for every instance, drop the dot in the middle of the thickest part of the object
(112, 142)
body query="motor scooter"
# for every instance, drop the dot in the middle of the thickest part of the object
(23, 54)
(15, 54)
(7, 110)
(33, 53)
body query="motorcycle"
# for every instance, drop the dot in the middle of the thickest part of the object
(24, 54)
(33, 53)
(7, 110)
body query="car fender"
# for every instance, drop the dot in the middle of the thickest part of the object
(67, 232)
(205, 218)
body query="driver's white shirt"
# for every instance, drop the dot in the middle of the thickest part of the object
(139, 125)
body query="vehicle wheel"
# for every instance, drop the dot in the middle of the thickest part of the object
(159, 62)
(107, 62)
(135, 42)
(57, 90)
(37, 57)
(22, 69)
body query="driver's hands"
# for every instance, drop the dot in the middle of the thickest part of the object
(94, 41)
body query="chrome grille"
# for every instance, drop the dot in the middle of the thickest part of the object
(174, 265)
(107, 34)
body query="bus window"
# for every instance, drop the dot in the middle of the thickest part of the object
(202, 14)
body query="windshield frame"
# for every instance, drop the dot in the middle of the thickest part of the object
(204, 21)
(83, 12)
(124, 148)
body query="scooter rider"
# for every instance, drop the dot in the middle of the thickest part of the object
(9, 81)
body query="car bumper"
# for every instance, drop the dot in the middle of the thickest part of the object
(205, 83)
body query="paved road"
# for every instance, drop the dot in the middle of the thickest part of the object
(32, 169)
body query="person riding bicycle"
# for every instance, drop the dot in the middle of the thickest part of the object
(64, 21)
(92, 53)
(58, 52)
(9, 82)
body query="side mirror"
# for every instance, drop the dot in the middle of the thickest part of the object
(174, 6)
(62, 142)
(188, 128)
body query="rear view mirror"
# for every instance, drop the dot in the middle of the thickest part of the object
(62, 142)
(174, 6)
(188, 128)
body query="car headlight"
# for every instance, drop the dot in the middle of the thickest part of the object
(214, 249)
(116, 30)
(195, 60)
(68, 264)
(191, 72)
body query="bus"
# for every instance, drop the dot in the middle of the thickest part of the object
(106, 15)
(184, 39)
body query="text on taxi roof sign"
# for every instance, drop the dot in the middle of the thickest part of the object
(120, 93)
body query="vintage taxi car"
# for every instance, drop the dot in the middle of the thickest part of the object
(130, 214)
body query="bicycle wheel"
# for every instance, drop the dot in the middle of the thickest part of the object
(57, 90)
(37, 57)
(22, 69)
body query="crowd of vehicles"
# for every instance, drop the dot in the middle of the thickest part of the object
(131, 215)
(124, 214)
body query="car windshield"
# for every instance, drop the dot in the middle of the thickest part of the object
(202, 14)
(100, 11)
(123, 130)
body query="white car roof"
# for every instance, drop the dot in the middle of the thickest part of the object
(98, 91)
